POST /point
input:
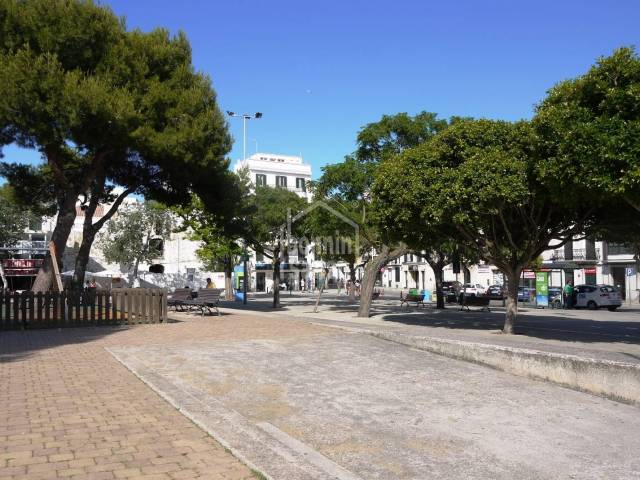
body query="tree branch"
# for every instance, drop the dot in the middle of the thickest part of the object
(112, 210)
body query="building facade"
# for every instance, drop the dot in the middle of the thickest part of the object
(276, 170)
(281, 171)
(594, 262)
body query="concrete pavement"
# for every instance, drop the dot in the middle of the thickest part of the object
(334, 404)
(598, 334)
(596, 352)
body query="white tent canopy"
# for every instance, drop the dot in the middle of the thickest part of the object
(103, 273)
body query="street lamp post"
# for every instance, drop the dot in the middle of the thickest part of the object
(244, 268)
(245, 117)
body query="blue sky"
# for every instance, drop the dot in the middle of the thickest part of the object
(321, 70)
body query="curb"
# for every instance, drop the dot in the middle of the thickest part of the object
(614, 380)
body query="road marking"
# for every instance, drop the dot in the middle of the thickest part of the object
(310, 455)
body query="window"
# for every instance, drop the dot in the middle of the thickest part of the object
(397, 274)
(259, 257)
(261, 180)
(301, 184)
(281, 181)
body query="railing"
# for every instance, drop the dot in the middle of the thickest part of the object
(580, 254)
(128, 306)
(617, 249)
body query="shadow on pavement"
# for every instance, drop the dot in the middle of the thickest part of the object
(546, 327)
(566, 326)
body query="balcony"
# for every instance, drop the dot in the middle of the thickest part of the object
(579, 255)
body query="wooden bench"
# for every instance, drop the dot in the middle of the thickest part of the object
(208, 299)
(475, 301)
(178, 299)
(410, 298)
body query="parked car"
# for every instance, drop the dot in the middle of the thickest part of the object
(597, 296)
(451, 287)
(525, 294)
(450, 291)
(473, 289)
(496, 291)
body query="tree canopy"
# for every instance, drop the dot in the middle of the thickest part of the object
(14, 219)
(106, 105)
(136, 235)
(479, 181)
(590, 126)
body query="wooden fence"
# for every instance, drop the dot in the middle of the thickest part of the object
(120, 306)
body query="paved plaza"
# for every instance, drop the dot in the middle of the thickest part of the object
(593, 334)
(68, 409)
(291, 399)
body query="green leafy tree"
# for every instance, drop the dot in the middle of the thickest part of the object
(590, 131)
(106, 106)
(349, 185)
(135, 235)
(590, 127)
(220, 229)
(341, 187)
(13, 218)
(397, 210)
(482, 178)
(267, 231)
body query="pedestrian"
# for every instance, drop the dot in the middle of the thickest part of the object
(568, 295)
(302, 285)
(290, 287)
(210, 284)
(339, 286)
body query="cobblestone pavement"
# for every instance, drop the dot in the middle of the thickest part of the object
(68, 409)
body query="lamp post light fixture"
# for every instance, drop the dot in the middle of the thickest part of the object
(245, 117)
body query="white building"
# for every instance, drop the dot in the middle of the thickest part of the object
(275, 170)
(595, 262)
(282, 171)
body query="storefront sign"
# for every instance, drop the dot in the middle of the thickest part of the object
(529, 274)
(21, 266)
(590, 271)
(542, 289)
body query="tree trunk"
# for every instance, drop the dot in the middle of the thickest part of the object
(276, 278)
(369, 282)
(352, 287)
(513, 277)
(82, 259)
(228, 279)
(61, 232)
(439, 274)
(90, 229)
(324, 281)
(371, 273)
